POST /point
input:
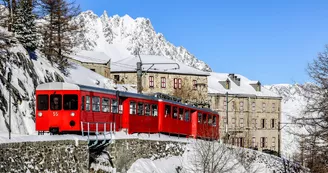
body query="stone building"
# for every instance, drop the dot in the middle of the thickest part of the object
(98, 62)
(163, 75)
(249, 112)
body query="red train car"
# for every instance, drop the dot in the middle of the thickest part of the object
(64, 107)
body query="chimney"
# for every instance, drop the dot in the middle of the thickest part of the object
(231, 76)
(237, 81)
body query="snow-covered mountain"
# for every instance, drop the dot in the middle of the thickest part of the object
(128, 34)
(292, 105)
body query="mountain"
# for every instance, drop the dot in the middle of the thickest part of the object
(292, 105)
(127, 34)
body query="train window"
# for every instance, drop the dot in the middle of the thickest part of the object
(167, 111)
(199, 117)
(181, 114)
(147, 109)
(120, 107)
(105, 104)
(133, 108)
(210, 119)
(214, 120)
(175, 112)
(204, 119)
(55, 102)
(82, 103)
(140, 108)
(154, 110)
(43, 102)
(87, 103)
(70, 102)
(187, 115)
(95, 104)
(114, 106)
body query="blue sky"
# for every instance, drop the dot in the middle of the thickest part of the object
(270, 41)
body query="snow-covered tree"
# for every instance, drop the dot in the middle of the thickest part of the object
(24, 25)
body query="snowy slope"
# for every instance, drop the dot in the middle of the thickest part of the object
(293, 104)
(27, 74)
(126, 34)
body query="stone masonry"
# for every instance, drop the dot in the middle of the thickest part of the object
(44, 156)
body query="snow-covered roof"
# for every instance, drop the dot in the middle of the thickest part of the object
(244, 89)
(90, 57)
(128, 64)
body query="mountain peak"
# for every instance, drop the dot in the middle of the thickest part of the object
(128, 33)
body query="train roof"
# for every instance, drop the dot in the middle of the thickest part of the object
(71, 86)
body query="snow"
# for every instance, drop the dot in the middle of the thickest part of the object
(244, 89)
(90, 57)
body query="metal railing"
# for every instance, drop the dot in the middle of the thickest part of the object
(96, 143)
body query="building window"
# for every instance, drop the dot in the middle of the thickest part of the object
(87, 103)
(224, 104)
(263, 142)
(151, 81)
(116, 78)
(114, 108)
(179, 83)
(254, 142)
(241, 122)
(273, 142)
(272, 123)
(263, 107)
(263, 123)
(254, 123)
(253, 106)
(273, 107)
(241, 106)
(194, 84)
(241, 142)
(175, 83)
(233, 122)
(163, 82)
(227, 84)
(233, 106)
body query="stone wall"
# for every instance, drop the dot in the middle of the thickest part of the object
(124, 152)
(51, 156)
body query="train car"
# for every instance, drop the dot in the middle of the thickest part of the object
(182, 119)
(140, 113)
(61, 107)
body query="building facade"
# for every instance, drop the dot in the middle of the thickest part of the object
(98, 62)
(162, 75)
(249, 113)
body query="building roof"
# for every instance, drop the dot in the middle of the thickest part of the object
(128, 64)
(90, 57)
(244, 89)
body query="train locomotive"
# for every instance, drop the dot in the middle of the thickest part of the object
(69, 108)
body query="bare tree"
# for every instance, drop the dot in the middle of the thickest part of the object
(58, 30)
(315, 116)
(211, 157)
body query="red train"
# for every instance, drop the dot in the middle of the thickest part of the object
(66, 107)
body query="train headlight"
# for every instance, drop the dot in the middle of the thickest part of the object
(72, 114)
(40, 114)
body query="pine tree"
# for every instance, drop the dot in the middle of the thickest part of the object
(57, 41)
(24, 25)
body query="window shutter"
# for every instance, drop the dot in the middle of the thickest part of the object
(266, 142)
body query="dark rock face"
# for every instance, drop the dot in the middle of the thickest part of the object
(49, 156)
